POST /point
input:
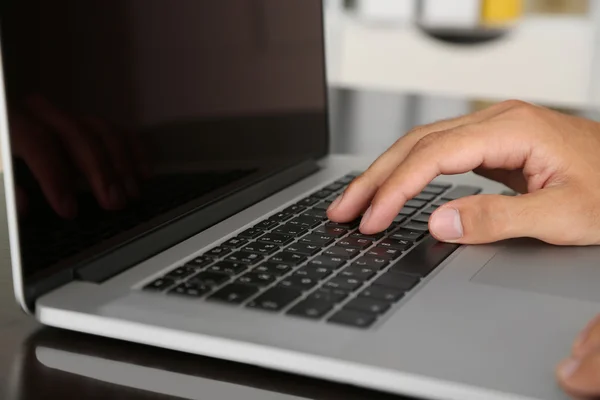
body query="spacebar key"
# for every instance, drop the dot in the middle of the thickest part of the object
(424, 258)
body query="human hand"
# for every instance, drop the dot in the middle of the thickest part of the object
(580, 374)
(61, 150)
(551, 157)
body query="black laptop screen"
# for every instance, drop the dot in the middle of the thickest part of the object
(123, 111)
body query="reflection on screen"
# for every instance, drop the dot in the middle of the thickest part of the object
(127, 113)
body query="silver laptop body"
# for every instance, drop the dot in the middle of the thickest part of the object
(486, 322)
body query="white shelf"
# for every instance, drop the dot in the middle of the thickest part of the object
(543, 59)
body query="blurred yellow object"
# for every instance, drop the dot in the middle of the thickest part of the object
(500, 12)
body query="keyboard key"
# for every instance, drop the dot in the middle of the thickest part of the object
(334, 187)
(281, 217)
(382, 293)
(181, 272)
(374, 237)
(261, 248)
(266, 225)
(343, 283)
(306, 222)
(160, 284)
(307, 249)
(370, 306)
(407, 211)
(425, 196)
(210, 278)
(395, 244)
(295, 209)
(218, 252)
(308, 202)
(355, 243)
(321, 194)
(323, 205)
(424, 258)
(292, 230)
(415, 226)
(235, 242)
(319, 273)
(397, 221)
(345, 180)
(275, 299)
(245, 257)
(345, 225)
(256, 278)
(313, 213)
(411, 236)
(397, 281)
(435, 188)
(341, 252)
(328, 295)
(285, 257)
(360, 273)
(461, 191)
(251, 233)
(234, 293)
(371, 262)
(429, 210)
(191, 289)
(384, 252)
(331, 231)
(227, 267)
(327, 262)
(423, 218)
(276, 238)
(299, 282)
(272, 268)
(416, 203)
(319, 239)
(199, 262)
(353, 318)
(310, 308)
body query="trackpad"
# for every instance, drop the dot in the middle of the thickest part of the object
(537, 267)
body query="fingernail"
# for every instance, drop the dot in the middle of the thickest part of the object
(365, 218)
(445, 224)
(568, 368)
(335, 203)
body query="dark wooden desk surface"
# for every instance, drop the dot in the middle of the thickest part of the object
(38, 362)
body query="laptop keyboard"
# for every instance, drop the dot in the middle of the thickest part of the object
(298, 263)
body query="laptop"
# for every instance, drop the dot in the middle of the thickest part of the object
(167, 172)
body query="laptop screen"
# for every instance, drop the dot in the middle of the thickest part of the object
(129, 113)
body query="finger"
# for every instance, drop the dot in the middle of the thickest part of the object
(86, 151)
(581, 377)
(588, 340)
(513, 179)
(359, 194)
(47, 161)
(118, 152)
(490, 218)
(454, 151)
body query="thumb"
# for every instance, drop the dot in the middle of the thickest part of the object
(581, 377)
(490, 218)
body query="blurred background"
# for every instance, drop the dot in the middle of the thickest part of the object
(543, 51)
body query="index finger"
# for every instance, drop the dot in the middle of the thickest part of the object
(489, 144)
